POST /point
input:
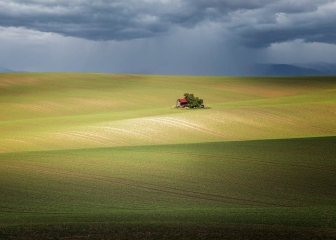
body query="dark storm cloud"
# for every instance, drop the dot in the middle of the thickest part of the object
(114, 20)
(257, 23)
(309, 21)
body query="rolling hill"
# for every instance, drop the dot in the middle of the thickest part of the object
(299, 69)
(101, 155)
(324, 68)
(2, 69)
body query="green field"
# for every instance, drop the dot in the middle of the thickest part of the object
(102, 156)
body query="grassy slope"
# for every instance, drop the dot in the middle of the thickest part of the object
(58, 111)
(287, 185)
(162, 172)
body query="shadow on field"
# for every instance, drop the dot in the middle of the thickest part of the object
(163, 231)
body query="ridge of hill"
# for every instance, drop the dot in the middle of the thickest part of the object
(2, 70)
(282, 70)
(323, 67)
(7, 70)
(305, 69)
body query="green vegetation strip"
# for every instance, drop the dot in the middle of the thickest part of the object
(284, 184)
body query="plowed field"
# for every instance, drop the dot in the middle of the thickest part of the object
(100, 156)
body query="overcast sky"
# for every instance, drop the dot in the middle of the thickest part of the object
(197, 37)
